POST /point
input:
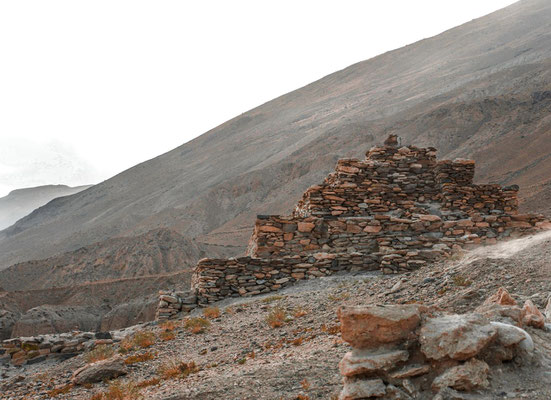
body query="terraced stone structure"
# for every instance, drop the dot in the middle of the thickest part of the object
(396, 210)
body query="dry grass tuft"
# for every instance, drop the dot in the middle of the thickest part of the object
(300, 312)
(168, 326)
(196, 325)
(144, 339)
(276, 317)
(305, 384)
(119, 391)
(177, 369)
(140, 340)
(211, 312)
(459, 280)
(271, 299)
(60, 390)
(101, 352)
(331, 330)
(137, 358)
(167, 335)
(148, 382)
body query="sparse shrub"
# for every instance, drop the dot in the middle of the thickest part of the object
(60, 390)
(459, 280)
(121, 391)
(196, 325)
(271, 299)
(168, 326)
(276, 317)
(298, 341)
(242, 361)
(167, 335)
(339, 296)
(144, 339)
(211, 312)
(229, 310)
(140, 339)
(302, 397)
(300, 312)
(177, 369)
(137, 358)
(148, 382)
(101, 352)
(331, 330)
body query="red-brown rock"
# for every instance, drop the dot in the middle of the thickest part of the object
(371, 326)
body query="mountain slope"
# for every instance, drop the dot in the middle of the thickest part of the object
(157, 252)
(21, 202)
(475, 90)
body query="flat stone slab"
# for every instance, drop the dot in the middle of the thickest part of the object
(359, 362)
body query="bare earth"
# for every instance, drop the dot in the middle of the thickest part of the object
(241, 357)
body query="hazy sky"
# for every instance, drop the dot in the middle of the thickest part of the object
(90, 88)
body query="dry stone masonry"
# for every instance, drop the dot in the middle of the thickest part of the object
(30, 350)
(396, 210)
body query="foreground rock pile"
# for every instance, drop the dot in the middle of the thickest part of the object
(413, 351)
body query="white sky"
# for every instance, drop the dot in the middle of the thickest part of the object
(91, 88)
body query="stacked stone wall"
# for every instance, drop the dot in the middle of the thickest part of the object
(397, 210)
(276, 236)
(217, 279)
(172, 303)
(31, 350)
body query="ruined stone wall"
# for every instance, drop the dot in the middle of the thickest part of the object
(31, 350)
(216, 279)
(173, 302)
(397, 210)
(276, 236)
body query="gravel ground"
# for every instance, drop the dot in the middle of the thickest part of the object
(241, 357)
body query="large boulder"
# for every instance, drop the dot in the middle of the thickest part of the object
(56, 319)
(373, 326)
(130, 313)
(458, 337)
(99, 371)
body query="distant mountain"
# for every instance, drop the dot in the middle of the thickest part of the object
(21, 202)
(481, 90)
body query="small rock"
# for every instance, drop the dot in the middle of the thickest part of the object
(362, 389)
(471, 375)
(532, 316)
(502, 297)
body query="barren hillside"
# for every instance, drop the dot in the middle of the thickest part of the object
(240, 356)
(480, 90)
